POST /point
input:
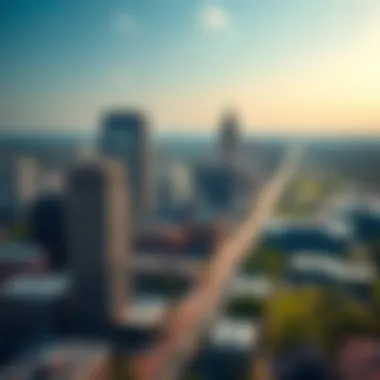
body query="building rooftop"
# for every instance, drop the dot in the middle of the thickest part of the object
(146, 312)
(347, 203)
(237, 334)
(257, 286)
(63, 361)
(36, 286)
(339, 269)
(19, 251)
(334, 228)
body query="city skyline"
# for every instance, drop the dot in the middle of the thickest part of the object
(301, 67)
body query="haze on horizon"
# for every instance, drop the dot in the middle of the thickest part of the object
(296, 66)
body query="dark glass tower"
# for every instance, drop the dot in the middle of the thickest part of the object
(126, 138)
(229, 136)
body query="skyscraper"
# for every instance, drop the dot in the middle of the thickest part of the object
(126, 138)
(229, 138)
(98, 242)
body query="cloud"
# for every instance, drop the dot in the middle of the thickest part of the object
(215, 17)
(123, 23)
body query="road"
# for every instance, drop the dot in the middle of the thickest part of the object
(189, 321)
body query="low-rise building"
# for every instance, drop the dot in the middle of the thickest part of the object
(21, 258)
(289, 235)
(336, 269)
(228, 352)
(63, 361)
(32, 312)
(359, 359)
(259, 287)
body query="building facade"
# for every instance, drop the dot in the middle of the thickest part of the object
(19, 184)
(126, 138)
(98, 242)
(229, 139)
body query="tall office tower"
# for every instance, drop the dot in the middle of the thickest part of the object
(229, 138)
(126, 138)
(19, 182)
(98, 242)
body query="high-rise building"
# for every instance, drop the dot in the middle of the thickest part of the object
(98, 242)
(19, 181)
(126, 138)
(216, 185)
(47, 222)
(174, 192)
(229, 138)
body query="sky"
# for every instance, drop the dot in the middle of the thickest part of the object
(310, 66)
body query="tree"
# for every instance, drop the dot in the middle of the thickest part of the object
(353, 318)
(266, 260)
(245, 307)
(192, 375)
(311, 315)
(375, 300)
(21, 230)
(292, 316)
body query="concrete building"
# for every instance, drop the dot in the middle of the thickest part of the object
(65, 361)
(303, 361)
(291, 235)
(229, 139)
(53, 182)
(160, 263)
(216, 186)
(126, 138)
(229, 349)
(332, 269)
(146, 312)
(238, 334)
(257, 286)
(32, 308)
(362, 214)
(176, 183)
(19, 183)
(21, 258)
(203, 238)
(47, 221)
(358, 353)
(98, 242)
(175, 192)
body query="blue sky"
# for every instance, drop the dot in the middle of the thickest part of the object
(292, 65)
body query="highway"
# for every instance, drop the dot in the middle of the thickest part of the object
(191, 319)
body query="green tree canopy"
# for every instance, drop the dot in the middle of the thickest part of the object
(313, 315)
(266, 260)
